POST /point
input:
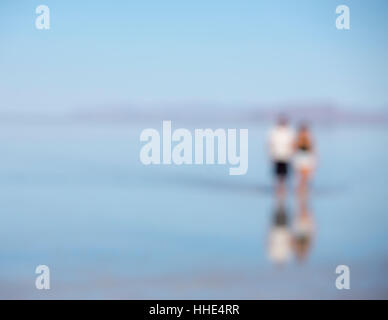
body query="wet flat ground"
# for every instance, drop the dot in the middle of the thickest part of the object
(77, 199)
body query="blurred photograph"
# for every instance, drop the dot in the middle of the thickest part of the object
(193, 150)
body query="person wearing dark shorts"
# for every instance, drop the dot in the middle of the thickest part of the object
(281, 169)
(281, 149)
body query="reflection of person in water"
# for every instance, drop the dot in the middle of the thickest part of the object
(279, 239)
(305, 157)
(303, 229)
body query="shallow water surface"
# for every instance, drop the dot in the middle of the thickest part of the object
(77, 199)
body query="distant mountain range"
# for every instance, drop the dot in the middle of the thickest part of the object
(246, 114)
(321, 114)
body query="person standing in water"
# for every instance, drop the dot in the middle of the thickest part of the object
(304, 158)
(281, 150)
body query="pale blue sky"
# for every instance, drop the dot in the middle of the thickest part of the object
(231, 52)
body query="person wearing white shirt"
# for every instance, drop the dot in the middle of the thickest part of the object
(281, 149)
